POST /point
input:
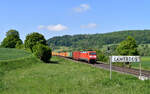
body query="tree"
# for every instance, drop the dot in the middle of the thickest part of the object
(12, 32)
(19, 45)
(34, 38)
(128, 47)
(43, 52)
(12, 38)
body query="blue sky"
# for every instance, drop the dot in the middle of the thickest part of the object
(61, 17)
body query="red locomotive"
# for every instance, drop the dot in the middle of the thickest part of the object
(89, 56)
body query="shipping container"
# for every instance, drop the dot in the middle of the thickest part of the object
(70, 54)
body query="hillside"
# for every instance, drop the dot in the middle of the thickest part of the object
(14, 59)
(9, 54)
(98, 40)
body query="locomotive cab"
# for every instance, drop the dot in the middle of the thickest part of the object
(92, 57)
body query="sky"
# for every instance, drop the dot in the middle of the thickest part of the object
(68, 17)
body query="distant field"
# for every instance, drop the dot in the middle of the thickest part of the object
(9, 54)
(145, 61)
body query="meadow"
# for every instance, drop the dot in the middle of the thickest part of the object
(9, 54)
(29, 75)
(145, 63)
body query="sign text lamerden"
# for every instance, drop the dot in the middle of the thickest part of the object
(125, 58)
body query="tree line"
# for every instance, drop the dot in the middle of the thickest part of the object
(34, 42)
(87, 41)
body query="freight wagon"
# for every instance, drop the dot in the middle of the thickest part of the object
(89, 56)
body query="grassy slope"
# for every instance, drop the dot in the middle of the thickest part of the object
(13, 59)
(64, 77)
(67, 77)
(9, 54)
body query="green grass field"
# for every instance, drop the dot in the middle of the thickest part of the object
(29, 75)
(9, 54)
(145, 62)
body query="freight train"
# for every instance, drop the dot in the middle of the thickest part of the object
(89, 56)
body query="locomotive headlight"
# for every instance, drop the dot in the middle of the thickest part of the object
(92, 56)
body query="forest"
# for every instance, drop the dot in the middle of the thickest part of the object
(102, 41)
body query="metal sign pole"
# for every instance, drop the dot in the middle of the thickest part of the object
(110, 61)
(140, 70)
(126, 59)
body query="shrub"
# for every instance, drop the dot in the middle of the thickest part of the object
(19, 45)
(43, 52)
(34, 38)
(101, 56)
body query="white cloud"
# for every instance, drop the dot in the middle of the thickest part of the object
(90, 25)
(82, 8)
(57, 27)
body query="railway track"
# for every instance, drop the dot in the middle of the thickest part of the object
(131, 71)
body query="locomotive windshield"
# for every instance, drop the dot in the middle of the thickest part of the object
(92, 53)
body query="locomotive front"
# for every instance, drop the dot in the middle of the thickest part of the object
(92, 56)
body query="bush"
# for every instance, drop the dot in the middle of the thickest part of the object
(42, 52)
(32, 39)
(101, 56)
(19, 45)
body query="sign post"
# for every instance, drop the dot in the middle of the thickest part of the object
(123, 59)
(110, 67)
(140, 70)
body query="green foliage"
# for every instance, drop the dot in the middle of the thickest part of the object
(12, 38)
(34, 38)
(12, 32)
(101, 56)
(128, 47)
(42, 52)
(19, 45)
(98, 40)
(144, 49)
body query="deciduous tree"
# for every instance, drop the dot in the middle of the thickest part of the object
(12, 38)
(34, 38)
